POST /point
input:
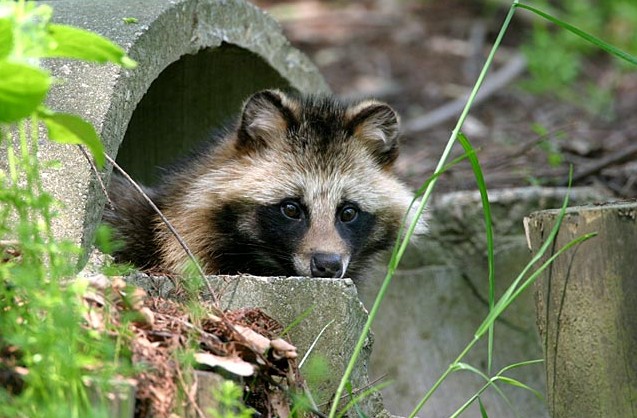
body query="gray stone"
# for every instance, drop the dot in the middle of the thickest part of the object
(439, 297)
(198, 60)
(331, 319)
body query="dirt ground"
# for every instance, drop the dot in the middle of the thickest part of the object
(420, 55)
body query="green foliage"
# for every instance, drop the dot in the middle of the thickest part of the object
(71, 42)
(556, 57)
(69, 367)
(554, 156)
(230, 398)
(71, 129)
(316, 370)
(22, 90)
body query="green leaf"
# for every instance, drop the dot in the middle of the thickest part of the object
(470, 368)
(517, 383)
(584, 35)
(520, 364)
(71, 129)
(129, 20)
(71, 42)
(488, 222)
(483, 410)
(6, 37)
(22, 90)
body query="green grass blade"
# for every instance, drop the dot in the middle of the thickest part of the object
(517, 383)
(489, 383)
(506, 297)
(520, 364)
(395, 259)
(470, 401)
(483, 410)
(441, 163)
(354, 400)
(506, 301)
(584, 35)
(488, 222)
(548, 262)
(300, 318)
(393, 264)
(470, 368)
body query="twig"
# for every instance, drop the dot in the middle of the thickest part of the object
(9, 243)
(498, 80)
(191, 399)
(168, 224)
(358, 390)
(97, 175)
(618, 157)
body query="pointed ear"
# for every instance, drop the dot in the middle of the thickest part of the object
(266, 117)
(376, 125)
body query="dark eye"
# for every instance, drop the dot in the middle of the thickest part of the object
(348, 214)
(291, 210)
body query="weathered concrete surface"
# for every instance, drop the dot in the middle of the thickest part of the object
(439, 297)
(167, 32)
(587, 311)
(331, 305)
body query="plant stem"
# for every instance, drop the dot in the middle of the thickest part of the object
(450, 369)
(410, 231)
(441, 162)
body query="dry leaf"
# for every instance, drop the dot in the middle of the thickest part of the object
(232, 364)
(280, 404)
(256, 340)
(283, 349)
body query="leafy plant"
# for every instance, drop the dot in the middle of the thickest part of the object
(556, 58)
(230, 398)
(64, 368)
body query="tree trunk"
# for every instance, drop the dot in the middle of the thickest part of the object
(587, 311)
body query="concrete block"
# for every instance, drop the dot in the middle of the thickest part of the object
(329, 306)
(198, 60)
(439, 297)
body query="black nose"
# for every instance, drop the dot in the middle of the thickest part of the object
(326, 265)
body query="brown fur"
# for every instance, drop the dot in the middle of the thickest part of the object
(317, 153)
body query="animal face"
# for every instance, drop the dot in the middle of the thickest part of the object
(306, 186)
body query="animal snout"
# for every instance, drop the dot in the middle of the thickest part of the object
(326, 265)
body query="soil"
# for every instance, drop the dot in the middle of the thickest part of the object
(420, 55)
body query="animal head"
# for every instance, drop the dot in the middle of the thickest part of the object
(306, 187)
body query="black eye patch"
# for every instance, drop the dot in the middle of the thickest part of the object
(354, 225)
(264, 250)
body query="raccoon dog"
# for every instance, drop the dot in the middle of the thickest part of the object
(302, 187)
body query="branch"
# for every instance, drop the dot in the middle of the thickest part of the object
(494, 83)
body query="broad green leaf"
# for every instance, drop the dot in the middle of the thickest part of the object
(6, 37)
(71, 129)
(584, 35)
(22, 90)
(81, 44)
